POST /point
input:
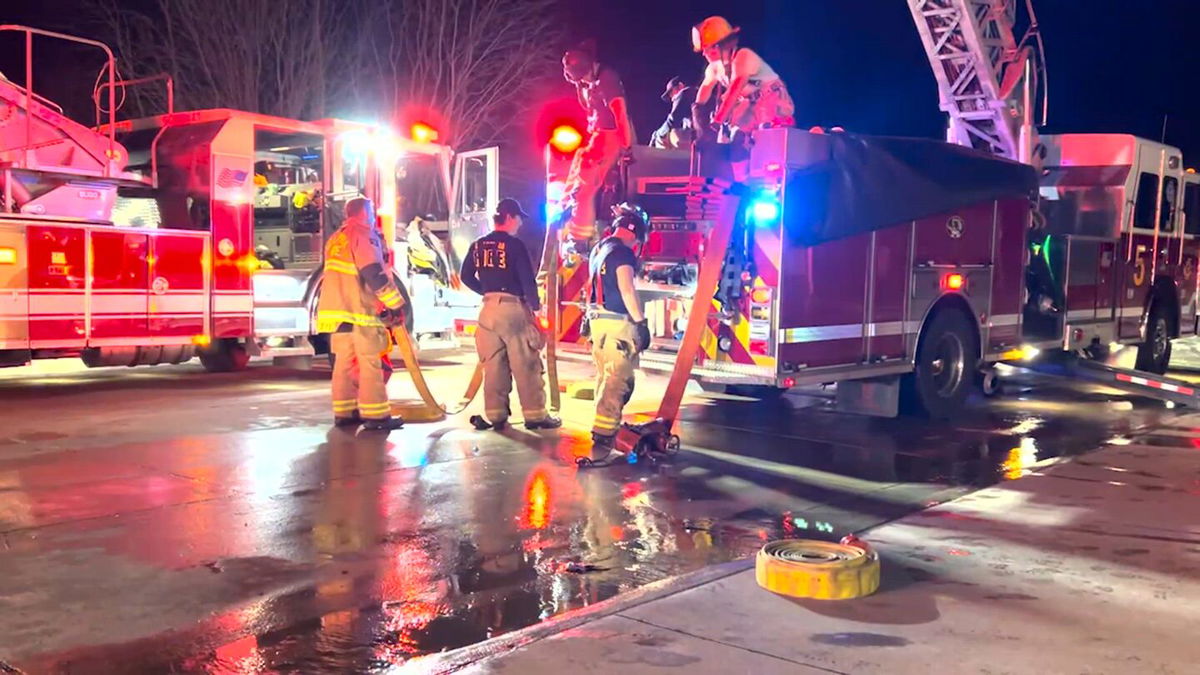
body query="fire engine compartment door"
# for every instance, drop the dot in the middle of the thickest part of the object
(120, 283)
(14, 285)
(474, 194)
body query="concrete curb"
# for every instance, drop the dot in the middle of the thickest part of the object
(448, 662)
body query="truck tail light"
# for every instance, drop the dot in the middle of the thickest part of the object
(954, 282)
(8, 255)
(760, 296)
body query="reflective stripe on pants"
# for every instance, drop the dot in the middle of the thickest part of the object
(613, 349)
(509, 347)
(358, 373)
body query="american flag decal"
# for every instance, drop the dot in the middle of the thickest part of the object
(229, 178)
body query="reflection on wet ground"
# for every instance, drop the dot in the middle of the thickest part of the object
(297, 549)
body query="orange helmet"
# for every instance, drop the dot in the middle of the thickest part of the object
(710, 31)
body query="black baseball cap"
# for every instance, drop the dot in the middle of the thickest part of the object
(674, 82)
(510, 207)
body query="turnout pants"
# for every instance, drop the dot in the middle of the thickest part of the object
(589, 168)
(509, 346)
(358, 377)
(613, 348)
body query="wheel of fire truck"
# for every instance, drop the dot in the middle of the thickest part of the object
(945, 367)
(1154, 355)
(224, 356)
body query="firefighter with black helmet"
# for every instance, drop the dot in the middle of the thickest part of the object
(618, 328)
(610, 133)
(507, 339)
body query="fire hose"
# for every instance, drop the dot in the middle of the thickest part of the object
(431, 411)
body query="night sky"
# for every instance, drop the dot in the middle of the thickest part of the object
(1115, 65)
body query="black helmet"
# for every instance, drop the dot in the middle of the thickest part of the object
(631, 218)
(579, 62)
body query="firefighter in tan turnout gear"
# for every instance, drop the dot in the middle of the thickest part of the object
(498, 267)
(618, 328)
(358, 304)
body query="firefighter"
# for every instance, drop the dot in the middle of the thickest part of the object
(507, 338)
(619, 332)
(676, 130)
(356, 283)
(754, 96)
(610, 133)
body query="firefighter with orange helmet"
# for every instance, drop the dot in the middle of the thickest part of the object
(754, 96)
(356, 282)
(610, 133)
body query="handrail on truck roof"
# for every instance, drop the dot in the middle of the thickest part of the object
(30, 96)
(165, 77)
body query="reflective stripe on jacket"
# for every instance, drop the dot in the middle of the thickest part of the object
(356, 285)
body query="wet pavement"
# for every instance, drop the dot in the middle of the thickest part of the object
(165, 519)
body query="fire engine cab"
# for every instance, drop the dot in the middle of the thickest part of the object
(193, 233)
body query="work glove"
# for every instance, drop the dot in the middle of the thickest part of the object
(643, 335)
(392, 317)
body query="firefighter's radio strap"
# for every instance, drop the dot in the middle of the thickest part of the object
(433, 411)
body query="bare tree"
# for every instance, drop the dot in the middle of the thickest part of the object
(473, 61)
(269, 56)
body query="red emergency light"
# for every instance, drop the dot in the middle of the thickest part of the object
(954, 282)
(566, 139)
(423, 133)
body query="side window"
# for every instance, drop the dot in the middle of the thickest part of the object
(1147, 201)
(1191, 208)
(1166, 222)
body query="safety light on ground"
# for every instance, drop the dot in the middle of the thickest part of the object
(423, 133)
(566, 139)
(8, 255)
(954, 282)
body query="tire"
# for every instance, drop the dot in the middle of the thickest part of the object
(944, 373)
(1154, 354)
(224, 356)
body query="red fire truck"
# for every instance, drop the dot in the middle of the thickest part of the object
(897, 266)
(135, 243)
(901, 268)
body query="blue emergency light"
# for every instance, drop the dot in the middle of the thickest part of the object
(764, 209)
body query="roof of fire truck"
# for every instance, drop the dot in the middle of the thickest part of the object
(322, 127)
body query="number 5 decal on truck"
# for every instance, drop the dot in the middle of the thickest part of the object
(1139, 275)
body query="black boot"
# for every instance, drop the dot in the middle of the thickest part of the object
(482, 424)
(547, 422)
(344, 422)
(385, 424)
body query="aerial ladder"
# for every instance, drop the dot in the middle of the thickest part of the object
(988, 82)
(993, 89)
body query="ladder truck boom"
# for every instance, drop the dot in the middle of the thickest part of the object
(986, 80)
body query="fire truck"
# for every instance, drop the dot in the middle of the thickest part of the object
(902, 269)
(134, 242)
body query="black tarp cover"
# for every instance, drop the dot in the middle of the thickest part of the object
(873, 182)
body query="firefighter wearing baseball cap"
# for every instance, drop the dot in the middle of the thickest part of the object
(610, 133)
(507, 339)
(619, 332)
(355, 285)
